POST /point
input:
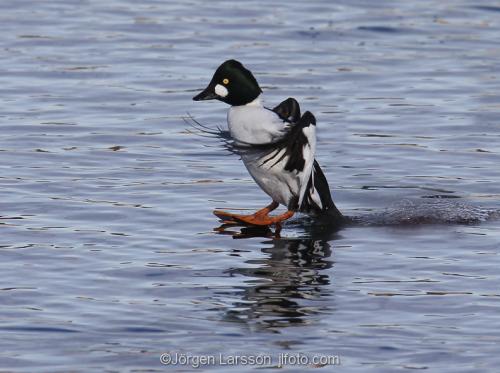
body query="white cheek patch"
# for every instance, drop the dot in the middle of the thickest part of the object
(221, 91)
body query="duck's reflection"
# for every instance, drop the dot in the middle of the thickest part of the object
(286, 286)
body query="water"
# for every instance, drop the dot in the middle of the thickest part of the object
(109, 254)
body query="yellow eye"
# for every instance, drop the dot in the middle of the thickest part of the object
(225, 81)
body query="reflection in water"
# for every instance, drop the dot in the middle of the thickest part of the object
(287, 284)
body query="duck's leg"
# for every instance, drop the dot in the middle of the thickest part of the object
(230, 218)
(266, 210)
(261, 217)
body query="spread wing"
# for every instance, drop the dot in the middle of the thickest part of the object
(288, 110)
(317, 197)
(299, 134)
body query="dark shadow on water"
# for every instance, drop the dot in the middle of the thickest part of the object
(286, 286)
(240, 232)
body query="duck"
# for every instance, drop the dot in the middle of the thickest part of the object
(277, 146)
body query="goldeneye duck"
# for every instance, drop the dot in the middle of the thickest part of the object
(277, 147)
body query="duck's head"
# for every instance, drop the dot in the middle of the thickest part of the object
(233, 84)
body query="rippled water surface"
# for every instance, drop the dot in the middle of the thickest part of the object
(109, 256)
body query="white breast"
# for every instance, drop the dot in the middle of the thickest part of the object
(254, 124)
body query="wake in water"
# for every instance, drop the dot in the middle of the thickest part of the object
(434, 211)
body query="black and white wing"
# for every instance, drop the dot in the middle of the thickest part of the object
(288, 110)
(298, 143)
(317, 198)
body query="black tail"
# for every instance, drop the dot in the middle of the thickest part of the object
(317, 199)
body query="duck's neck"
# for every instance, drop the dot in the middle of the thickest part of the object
(257, 102)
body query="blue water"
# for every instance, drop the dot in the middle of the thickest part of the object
(109, 256)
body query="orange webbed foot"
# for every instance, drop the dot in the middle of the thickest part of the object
(260, 218)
